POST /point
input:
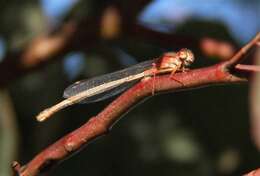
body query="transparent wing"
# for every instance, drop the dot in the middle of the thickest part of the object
(109, 93)
(84, 85)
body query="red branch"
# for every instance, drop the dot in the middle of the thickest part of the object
(100, 124)
(255, 172)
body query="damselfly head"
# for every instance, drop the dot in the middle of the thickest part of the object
(186, 56)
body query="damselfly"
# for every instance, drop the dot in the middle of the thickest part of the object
(108, 85)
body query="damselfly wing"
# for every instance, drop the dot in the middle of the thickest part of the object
(110, 91)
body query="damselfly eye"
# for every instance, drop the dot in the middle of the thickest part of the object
(187, 56)
(183, 54)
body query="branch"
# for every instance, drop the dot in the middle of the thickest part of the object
(100, 124)
(240, 55)
(255, 172)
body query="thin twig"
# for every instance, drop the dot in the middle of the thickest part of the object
(243, 51)
(250, 68)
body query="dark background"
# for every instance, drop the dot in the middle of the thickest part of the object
(197, 132)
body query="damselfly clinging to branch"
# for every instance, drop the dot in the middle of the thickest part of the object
(105, 86)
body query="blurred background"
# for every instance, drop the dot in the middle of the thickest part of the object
(46, 45)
